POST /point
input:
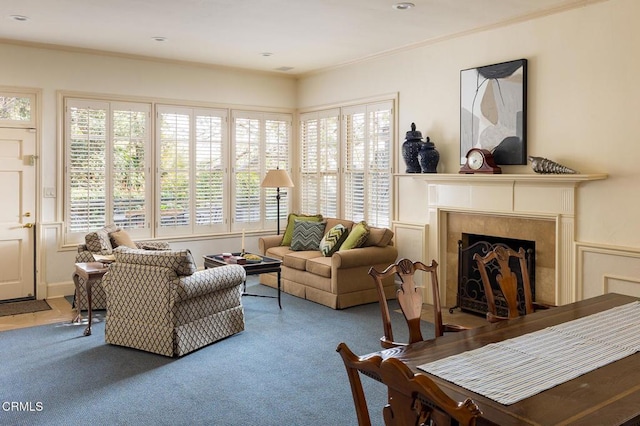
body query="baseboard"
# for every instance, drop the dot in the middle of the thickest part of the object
(60, 289)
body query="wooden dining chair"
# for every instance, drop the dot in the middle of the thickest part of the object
(355, 365)
(410, 300)
(415, 399)
(506, 288)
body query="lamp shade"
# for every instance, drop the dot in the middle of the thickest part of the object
(278, 178)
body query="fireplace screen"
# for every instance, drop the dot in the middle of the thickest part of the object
(471, 297)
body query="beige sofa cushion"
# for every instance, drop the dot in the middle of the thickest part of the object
(331, 222)
(298, 259)
(278, 252)
(380, 237)
(320, 266)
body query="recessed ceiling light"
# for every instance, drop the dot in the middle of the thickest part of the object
(266, 54)
(20, 18)
(159, 38)
(284, 69)
(403, 6)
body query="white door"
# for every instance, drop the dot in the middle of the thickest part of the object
(17, 213)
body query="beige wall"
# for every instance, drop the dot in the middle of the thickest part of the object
(52, 71)
(583, 101)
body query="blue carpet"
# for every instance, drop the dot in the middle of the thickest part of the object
(282, 370)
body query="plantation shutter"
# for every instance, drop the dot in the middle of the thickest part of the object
(355, 161)
(261, 141)
(367, 172)
(277, 143)
(247, 171)
(130, 168)
(107, 166)
(86, 126)
(320, 162)
(379, 159)
(174, 133)
(210, 171)
(191, 170)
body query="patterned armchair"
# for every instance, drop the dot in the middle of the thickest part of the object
(157, 302)
(101, 243)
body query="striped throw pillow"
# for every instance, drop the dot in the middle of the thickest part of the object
(307, 235)
(333, 239)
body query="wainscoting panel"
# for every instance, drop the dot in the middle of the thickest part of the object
(604, 269)
(411, 242)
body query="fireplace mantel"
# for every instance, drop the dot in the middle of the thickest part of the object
(542, 179)
(530, 196)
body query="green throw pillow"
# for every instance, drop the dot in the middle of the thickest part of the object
(357, 236)
(333, 239)
(288, 233)
(307, 235)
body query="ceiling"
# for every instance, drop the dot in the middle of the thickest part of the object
(287, 36)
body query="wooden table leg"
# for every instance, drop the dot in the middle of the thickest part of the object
(78, 318)
(87, 331)
(76, 281)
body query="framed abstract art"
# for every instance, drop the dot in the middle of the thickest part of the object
(493, 111)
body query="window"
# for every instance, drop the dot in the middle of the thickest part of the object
(200, 176)
(15, 110)
(199, 172)
(349, 165)
(367, 171)
(107, 166)
(260, 142)
(191, 170)
(319, 162)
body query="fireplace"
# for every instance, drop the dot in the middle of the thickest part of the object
(540, 208)
(470, 293)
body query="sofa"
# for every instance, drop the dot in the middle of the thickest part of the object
(158, 302)
(339, 280)
(99, 245)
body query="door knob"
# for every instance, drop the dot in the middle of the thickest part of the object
(28, 225)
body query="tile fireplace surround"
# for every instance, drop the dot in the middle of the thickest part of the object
(540, 208)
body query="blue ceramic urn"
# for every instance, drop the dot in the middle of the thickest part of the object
(411, 149)
(429, 157)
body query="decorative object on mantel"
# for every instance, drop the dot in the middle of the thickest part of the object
(493, 111)
(411, 149)
(429, 156)
(545, 166)
(480, 160)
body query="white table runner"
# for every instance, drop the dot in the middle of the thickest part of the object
(518, 368)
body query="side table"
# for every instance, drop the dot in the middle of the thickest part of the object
(90, 271)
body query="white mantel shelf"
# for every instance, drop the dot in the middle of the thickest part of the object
(461, 178)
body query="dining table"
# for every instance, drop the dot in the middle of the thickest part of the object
(606, 395)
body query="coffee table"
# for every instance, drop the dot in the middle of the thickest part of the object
(267, 265)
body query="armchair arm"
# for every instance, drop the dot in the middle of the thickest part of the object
(153, 245)
(84, 256)
(364, 256)
(265, 243)
(210, 280)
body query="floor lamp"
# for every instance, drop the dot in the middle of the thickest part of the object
(277, 178)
